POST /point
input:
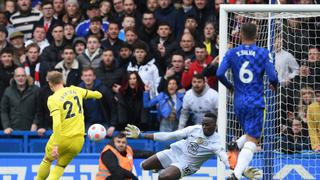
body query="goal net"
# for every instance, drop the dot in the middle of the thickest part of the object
(290, 137)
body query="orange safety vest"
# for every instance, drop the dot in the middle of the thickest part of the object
(124, 162)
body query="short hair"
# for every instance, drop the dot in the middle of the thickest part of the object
(178, 53)
(198, 76)
(211, 116)
(55, 77)
(141, 45)
(200, 45)
(107, 49)
(121, 135)
(132, 29)
(68, 47)
(164, 23)
(88, 69)
(7, 50)
(33, 45)
(249, 31)
(93, 36)
(96, 19)
(46, 2)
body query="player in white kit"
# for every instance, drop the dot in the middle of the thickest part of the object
(195, 146)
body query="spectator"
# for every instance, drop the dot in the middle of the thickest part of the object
(191, 24)
(132, 36)
(203, 12)
(16, 39)
(152, 5)
(163, 45)
(3, 38)
(314, 65)
(106, 12)
(92, 26)
(19, 104)
(4, 20)
(285, 63)
(169, 105)
(202, 60)
(127, 22)
(143, 63)
(7, 68)
(295, 141)
(148, 28)
(125, 56)
(102, 111)
(72, 13)
(112, 40)
(32, 65)
(68, 33)
(39, 37)
(313, 117)
(25, 18)
(129, 95)
(119, 10)
(306, 98)
(108, 71)
(43, 114)
(9, 7)
(187, 8)
(52, 54)
(173, 71)
(69, 67)
(79, 45)
(199, 100)
(92, 55)
(187, 44)
(210, 39)
(48, 20)
(130, 9)
(58, 8)
(166, 12)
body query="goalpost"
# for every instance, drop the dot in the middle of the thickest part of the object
(292, 26)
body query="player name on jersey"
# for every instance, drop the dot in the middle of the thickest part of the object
(246, 52)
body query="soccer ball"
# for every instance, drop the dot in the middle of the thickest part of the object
(96, 132)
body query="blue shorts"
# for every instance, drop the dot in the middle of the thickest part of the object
(251, 120)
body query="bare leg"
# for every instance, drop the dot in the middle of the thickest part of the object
(170, 173)
(152, 163)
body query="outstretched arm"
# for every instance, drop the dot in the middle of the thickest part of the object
(134, 132)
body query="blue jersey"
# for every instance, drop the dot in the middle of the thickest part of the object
(248, 63)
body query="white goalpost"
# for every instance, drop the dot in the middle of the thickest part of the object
(280, 27)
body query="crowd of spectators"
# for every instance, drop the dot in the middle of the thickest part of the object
(144, 56)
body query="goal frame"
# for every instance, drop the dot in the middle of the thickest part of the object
(223, 38)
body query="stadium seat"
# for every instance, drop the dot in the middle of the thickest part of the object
(141, 144)
(98, 146)
(11, 145)
(161, 145)
(37, 145)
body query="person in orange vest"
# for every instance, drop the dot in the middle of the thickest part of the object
(116, 160)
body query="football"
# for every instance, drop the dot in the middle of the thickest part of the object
(96, 132)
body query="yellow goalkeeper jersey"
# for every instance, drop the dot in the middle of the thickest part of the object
(66, 109)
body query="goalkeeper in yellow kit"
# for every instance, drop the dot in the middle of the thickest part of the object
(66, 109)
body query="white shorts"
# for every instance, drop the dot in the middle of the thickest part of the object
(169, 158)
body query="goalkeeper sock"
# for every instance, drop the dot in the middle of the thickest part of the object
(56, 173)
(244, 159)
(44, 170)
(241, 141)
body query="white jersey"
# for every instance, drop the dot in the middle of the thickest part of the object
(194, 148)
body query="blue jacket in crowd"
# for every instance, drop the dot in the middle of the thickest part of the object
(82, 29)
(164, 109)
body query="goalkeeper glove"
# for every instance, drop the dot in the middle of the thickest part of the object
(252, 173)
(132, 131)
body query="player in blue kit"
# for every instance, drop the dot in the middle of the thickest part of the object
(248, 63)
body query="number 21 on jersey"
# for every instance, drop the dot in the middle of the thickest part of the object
(68, 105)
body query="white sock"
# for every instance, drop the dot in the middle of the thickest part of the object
(244, 158)
(241, 141)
